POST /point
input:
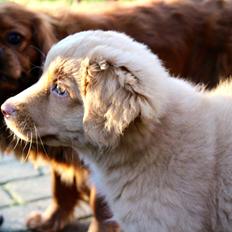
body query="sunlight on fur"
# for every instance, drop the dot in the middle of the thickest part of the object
(159, 147)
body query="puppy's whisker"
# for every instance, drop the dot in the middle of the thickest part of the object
(12, 140)
(30, 145)
(21, 142)
(25, 145)
(29, 149)
(24, 126)
(25, 142)
(10, 134)
(36, 138)
(17, 142)
(26, 156)
(12, 137)
(41, 142)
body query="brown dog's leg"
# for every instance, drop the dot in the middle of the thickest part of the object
(60, 212)
(102, 220)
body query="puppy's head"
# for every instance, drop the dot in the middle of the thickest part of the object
(25, 38)
(95, 85)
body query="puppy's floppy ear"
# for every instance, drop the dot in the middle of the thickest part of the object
(125, 105)
(112, 96)
(43, 34)
(118, 87)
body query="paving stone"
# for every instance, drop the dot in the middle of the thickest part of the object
(5, 199)
(30, 189)
(14, 217)
(16, 170)
(6, 158)
(24, 189)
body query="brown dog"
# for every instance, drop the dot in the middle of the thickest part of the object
(193, 40)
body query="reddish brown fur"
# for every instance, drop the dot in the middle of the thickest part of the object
(192, 39)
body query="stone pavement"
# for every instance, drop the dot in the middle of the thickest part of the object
(23, 189)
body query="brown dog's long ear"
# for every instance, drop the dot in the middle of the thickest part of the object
(43, 33)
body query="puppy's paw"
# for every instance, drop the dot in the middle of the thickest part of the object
(52, 222)
(105, 226)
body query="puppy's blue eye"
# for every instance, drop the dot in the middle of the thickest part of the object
(59, 90)
(14, 38)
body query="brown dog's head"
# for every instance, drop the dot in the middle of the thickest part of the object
(25, 38)
(95, 84)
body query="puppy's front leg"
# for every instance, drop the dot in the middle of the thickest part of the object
(60, 212)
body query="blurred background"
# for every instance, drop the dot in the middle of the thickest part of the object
(64, 2)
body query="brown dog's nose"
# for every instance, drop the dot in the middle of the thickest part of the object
(8, 110)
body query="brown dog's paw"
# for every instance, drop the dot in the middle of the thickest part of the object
(106, 226)
(44, 222)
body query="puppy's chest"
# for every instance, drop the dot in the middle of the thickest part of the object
(140, 198)
(125, 191)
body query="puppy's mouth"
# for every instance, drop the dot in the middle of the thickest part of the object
(21, 130)
(33, 135)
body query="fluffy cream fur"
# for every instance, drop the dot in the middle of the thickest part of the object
(160, 148)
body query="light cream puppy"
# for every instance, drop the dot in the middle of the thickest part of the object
(160, 148)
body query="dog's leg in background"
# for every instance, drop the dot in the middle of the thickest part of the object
(102, 220)
(66, 197)
(61, 211)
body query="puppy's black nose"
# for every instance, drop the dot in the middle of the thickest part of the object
(8, 110)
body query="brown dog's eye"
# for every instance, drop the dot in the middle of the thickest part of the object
(14, 38)
(59, 90)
